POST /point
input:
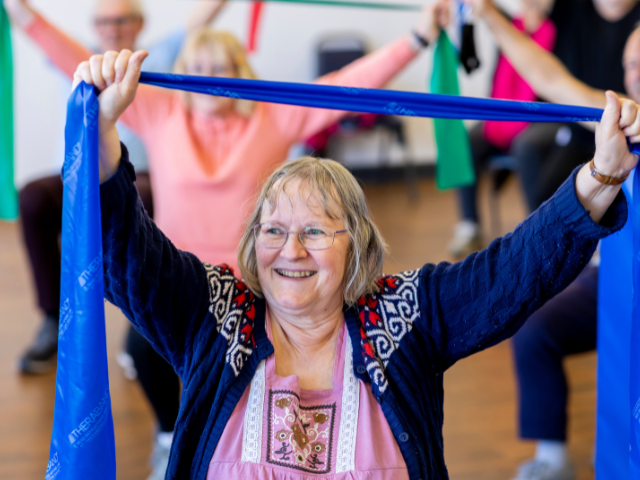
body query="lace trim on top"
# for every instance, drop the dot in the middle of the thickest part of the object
(346, 455)
(253, 415)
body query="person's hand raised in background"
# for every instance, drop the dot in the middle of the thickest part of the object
(434, 17)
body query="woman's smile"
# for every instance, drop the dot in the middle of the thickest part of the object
(295, 274)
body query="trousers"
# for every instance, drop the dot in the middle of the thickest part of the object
(565, 325)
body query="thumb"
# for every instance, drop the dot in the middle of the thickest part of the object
(611, 115)
(134, 67)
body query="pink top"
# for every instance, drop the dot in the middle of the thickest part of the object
(508, 85)
(281, 432)
(205, 171)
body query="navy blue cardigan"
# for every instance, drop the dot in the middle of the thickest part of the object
(211, 327)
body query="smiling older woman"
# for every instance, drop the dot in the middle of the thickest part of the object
(317, 364)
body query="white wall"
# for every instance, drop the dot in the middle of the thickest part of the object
(287, 41)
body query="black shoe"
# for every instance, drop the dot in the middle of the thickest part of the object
(42, 355)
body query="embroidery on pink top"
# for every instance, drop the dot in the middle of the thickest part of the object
(299, 436)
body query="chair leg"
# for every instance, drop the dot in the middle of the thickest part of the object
(494, 207)
(411, 180)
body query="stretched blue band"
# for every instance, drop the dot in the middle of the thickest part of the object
(387, 102)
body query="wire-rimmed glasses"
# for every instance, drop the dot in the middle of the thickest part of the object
(314, 237)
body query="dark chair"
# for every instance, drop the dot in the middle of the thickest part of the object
(335, 52)
(500, 168)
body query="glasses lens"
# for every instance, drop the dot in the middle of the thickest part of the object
(270, 236)
(115, 21)
(317, 237)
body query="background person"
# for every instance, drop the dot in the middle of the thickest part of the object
(117, 24)
(591, 35)
(493, 138)
(567, 324)
(226, 146)
(314, 299)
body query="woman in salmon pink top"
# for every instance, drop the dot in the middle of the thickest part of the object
(208, 154)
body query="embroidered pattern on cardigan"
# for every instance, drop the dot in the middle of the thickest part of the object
(233, 307)
(299, 436)
(386, 317)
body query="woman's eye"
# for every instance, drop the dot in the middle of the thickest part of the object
(315, 232)
(274, 231)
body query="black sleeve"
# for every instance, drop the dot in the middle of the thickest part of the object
(561, 12)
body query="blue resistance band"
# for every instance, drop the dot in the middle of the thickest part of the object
(82, 440)
(386, 102)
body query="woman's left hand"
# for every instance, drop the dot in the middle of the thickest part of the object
(620, 120)
(435, 17)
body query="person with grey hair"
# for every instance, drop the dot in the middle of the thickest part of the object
(117, 24)
(317, 363)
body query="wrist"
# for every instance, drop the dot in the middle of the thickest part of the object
(20, 13)
(490, 14)
(105, 127)
(109, 153)
(419, 40)
(606, 175)
(594, 196)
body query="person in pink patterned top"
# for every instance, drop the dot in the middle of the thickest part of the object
(308, 431)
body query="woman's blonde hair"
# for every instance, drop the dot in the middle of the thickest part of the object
(342, 198)
(207, 38)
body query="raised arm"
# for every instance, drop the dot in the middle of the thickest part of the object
(162, 290)
(372, 71)
(484, 299)
(61, 49)
(548, 77)
(151, 103)
(203, 14)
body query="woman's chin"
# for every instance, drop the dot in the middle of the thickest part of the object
(212, 107)
(289, 302)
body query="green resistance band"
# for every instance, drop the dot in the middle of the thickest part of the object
(8, 195)
(340, 3)
(454, 167)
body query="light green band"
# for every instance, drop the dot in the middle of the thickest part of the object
(342, 3)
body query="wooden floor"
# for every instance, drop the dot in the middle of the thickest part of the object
(480, 428)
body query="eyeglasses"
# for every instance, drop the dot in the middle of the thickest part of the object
(116, 21)
(315, 237)
(213, 71)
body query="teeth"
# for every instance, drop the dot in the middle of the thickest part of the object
(287, 273)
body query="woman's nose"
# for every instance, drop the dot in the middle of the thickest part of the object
(293, 248)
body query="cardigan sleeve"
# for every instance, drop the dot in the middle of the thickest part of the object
(163, 291)
(474, 304)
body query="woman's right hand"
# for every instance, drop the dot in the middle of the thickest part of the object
(19, 11)
(480, 7)
(434, 17)
(116, 76)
